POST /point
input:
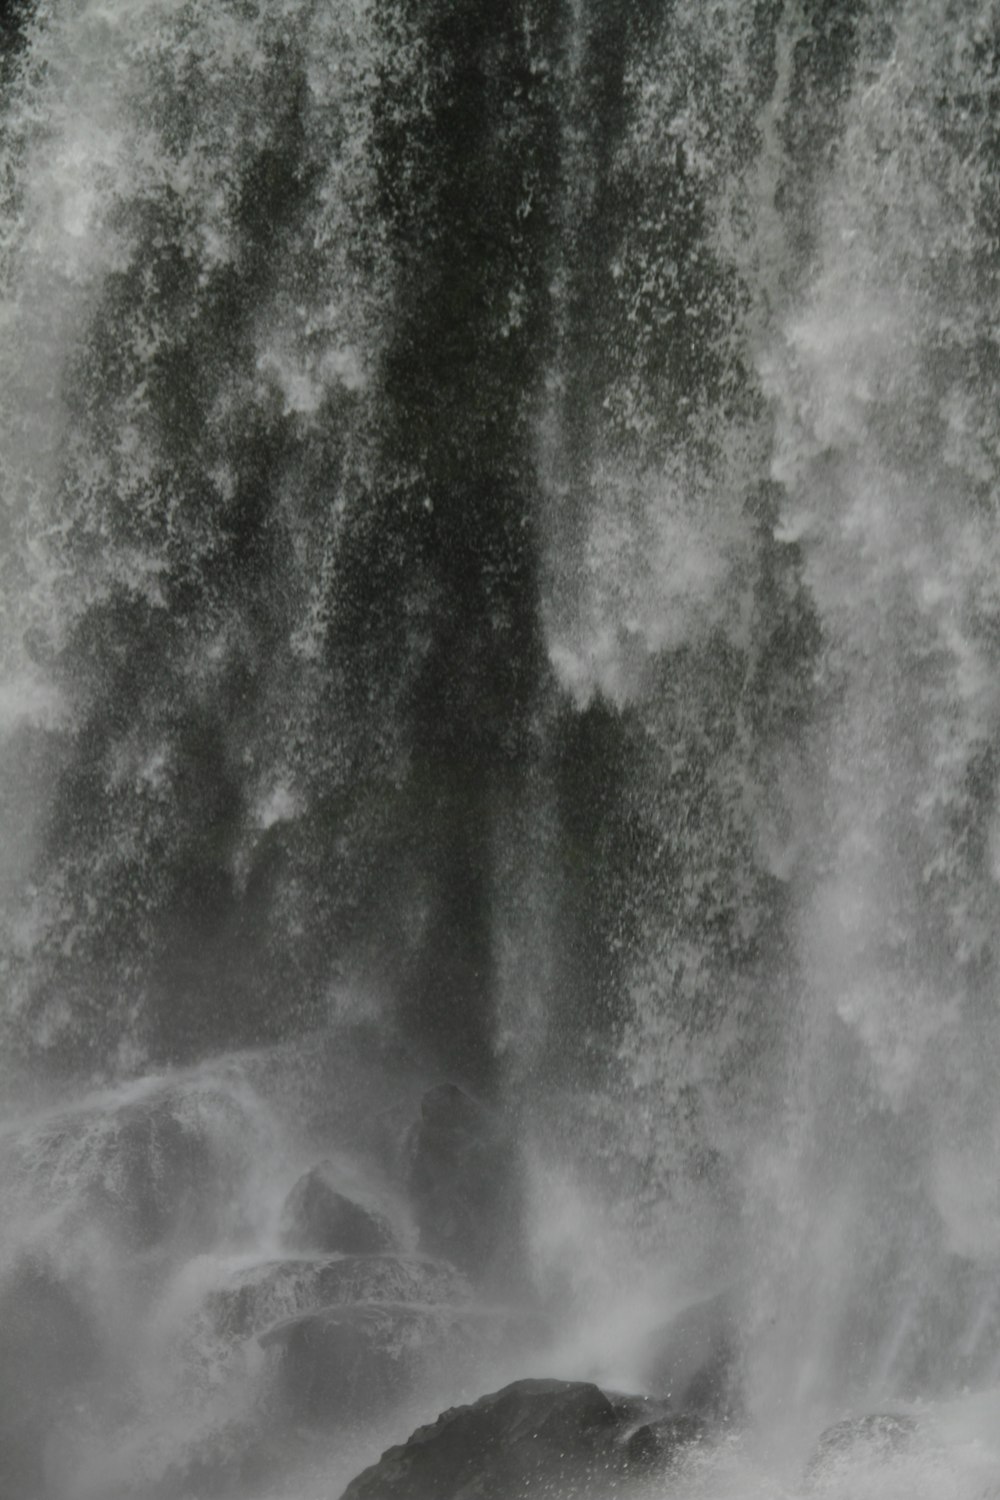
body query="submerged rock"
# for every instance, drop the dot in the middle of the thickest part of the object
(464, 1184)
(532, 1437)
(318, 1217)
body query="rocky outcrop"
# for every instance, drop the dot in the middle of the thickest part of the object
(532, 1438)
(318, 1217)
(464, 1185)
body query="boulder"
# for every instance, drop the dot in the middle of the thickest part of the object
(357, 1360)
(157, 1179)
(693, 1361)
(658, 1445)
(534, 1437)
(876, 1437)
(318, 1217)
(256, 1297)
(349, 1335)
(156, 1170)
(465, 1185)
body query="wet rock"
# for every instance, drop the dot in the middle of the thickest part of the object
(693, 1360)
(353, 1360)
(878, 1436)
(658, 1445)
(158, 1179)
(255, 1297)
(356, 1359)
(637, 1411)
(344, 1336)
(464, 1183)
(158, 1171)
(318, 1217)
(534, 1437)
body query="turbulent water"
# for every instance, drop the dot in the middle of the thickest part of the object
(500, 583)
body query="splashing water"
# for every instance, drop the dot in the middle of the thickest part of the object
(499, 585)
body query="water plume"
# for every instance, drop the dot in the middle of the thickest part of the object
(498, 661)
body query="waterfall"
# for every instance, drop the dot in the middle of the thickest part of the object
(499, 590)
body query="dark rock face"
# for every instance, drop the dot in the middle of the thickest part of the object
(657, 1445)
(464, 1185)
(348, 1336)
(342, 1363)
(339, 1362)
(533, 1437)
(693, 1361)
(350, 1361)
(316, 1217)
(879, 1435)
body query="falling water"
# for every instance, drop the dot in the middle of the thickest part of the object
(500, 587)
